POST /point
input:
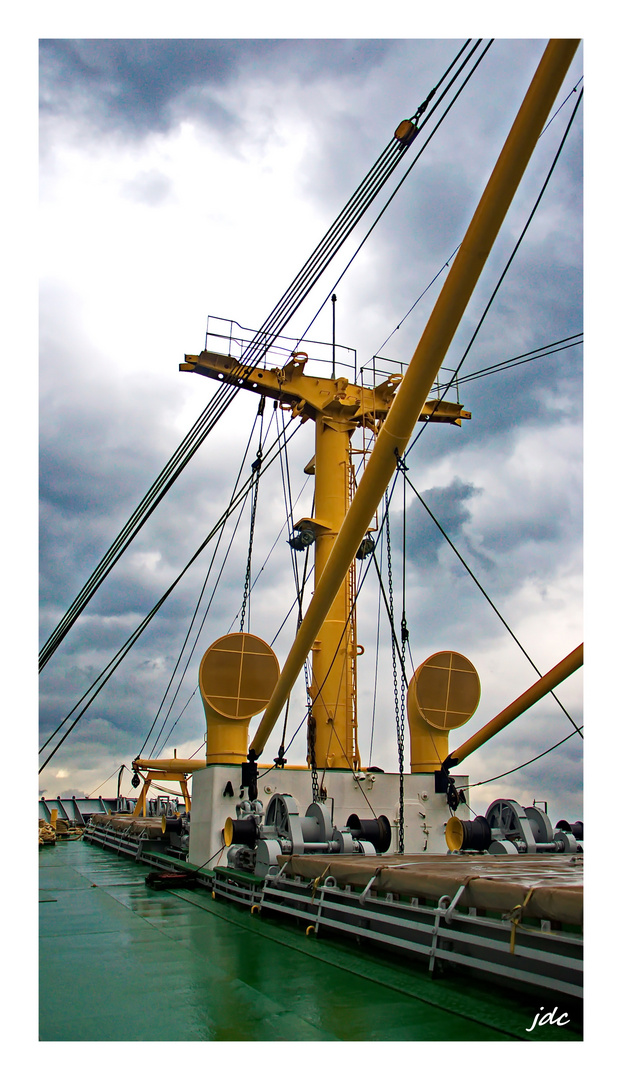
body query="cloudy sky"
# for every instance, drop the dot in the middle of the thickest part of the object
(187, 179)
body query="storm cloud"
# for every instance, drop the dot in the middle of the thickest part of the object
(187, 178)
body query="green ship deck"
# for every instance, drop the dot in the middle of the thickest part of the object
(122, 962)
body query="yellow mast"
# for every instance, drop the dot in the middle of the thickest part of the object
(338, 409)
(426, 362)
(333, 729)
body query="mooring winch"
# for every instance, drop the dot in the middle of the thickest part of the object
(255, 840)
(509, 829)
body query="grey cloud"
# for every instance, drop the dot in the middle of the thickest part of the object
(152, 188)
(132, 88)
(127, 85)
(136, 87)
(424, 541)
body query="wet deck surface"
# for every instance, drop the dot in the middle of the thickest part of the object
(122, 962)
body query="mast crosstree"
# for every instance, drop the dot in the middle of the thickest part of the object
(338, 408)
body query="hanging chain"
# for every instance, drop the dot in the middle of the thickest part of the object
(255, 469)
(311, 728)
(399, 699)
(403, 468)
(315, 784)
(247, 579)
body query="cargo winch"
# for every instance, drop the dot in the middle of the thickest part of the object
(255, 840)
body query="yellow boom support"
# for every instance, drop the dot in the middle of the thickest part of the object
(543, 686)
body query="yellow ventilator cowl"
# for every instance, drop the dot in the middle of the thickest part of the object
(237, 676)
(443, 694)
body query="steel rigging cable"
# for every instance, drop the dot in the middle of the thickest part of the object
(406, 174)
(258, 344)
(486, 597)
(111, 667)
(516, 361)
(453, 381)
(252, 355)
(153, 752)
(531, 760)
(348, 218)
(463, 358)
(195, 437)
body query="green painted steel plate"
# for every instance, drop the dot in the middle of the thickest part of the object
(122, 962)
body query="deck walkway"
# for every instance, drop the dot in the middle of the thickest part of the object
(122, 962)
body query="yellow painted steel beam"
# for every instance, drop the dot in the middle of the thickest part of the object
(311, 395)
(306, 394)
(174, 764)
(186, 794)
(426, 362)
(334, 647)
(141, 802)
(543, 686)
(161, 772)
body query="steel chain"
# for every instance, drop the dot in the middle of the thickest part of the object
(256, 466)
(399, 705)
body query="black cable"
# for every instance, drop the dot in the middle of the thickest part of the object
(355, 777)
(373, 708)
(390, 617)
(517, 361)
(487, 598)
(394, 193)
(419, 298)
(256, 472)
(174, 725)
(289, 515)
(206, 613)
(259, 573)
(508, 264)
(201, 428)
(262, 341)
(531, 760)
(195, 613)
(295, 603)
(567, 98)
(108, 671)
(211, 599)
